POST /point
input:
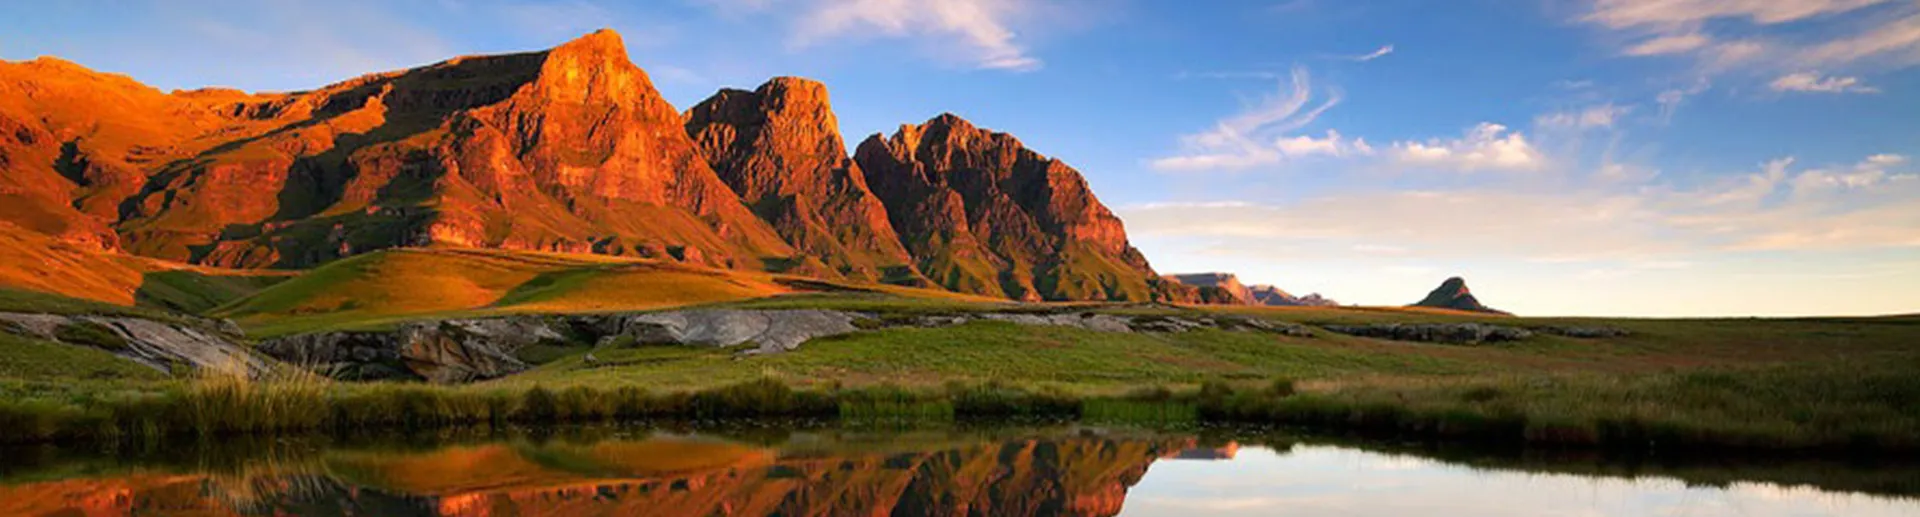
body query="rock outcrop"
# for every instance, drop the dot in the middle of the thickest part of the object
(466, 350)
(450, 351)
(779, 148)
(767, 331)
(569, 149)
(1455, 333)
(1453, 294)
(155, 344)
(981, 213)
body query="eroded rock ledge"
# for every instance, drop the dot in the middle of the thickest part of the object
(454, 351)
(160, 345)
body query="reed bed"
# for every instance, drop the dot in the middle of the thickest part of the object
(1826, 408)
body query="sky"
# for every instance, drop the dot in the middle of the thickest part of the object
(1566, 157)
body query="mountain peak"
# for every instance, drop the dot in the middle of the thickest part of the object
(1454, 294)
(593, 68)
(603, 40)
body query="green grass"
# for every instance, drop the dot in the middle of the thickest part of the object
(14, 300)
(981, 351)
(194, 292)
(23, 359)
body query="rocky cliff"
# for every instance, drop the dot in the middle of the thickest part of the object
(1453, 294)
(779, 148)
(569, 149)
(981, 213)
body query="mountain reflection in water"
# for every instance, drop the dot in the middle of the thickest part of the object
(1058, 471)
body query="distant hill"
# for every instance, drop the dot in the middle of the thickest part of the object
(1217, 288)
(1274, 296)
(1453, 294)
(1226, 289)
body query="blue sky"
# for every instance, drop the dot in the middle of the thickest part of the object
(1616, 157)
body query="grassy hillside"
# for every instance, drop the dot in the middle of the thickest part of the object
(36, 262)
(391, 286)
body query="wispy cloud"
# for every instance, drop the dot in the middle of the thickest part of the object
(1860, 206)
(1260, 135)
(1599, 116)
(1376, 54)
(1810, 82)
(1487, 146)
(977, 32)
(1728, 35)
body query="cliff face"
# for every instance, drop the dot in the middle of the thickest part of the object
(779, 148)
(981, 213)
(569, 149)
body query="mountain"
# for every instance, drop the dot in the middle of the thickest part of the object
(564, 150)
(1217, 288)
(779, 148)
(1274, 296)
(1453, 294)
(569, 149)
(982, 213)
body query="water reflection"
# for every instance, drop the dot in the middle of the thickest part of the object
(818, 471)
(1317, 480)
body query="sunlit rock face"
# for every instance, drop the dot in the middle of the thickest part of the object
(779, 148)
(569, 149)
(982, 213)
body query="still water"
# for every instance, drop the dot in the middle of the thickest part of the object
(776, 470)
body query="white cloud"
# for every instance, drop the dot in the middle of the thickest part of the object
(1258, 136)
(1331, 145)
(1601, 116)
(979, 30)
(1487, 146)
(1377, 54)
(1816, 83)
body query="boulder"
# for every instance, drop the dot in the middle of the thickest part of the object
(450, 351)
(768, 331)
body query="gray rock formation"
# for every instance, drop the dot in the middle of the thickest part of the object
(448, 351)
(1456, 333)
(156, 344)
(455, 351)
(768, 331)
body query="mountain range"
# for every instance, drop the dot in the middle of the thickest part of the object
(566, 150)
(1226, 289)
(569, 150)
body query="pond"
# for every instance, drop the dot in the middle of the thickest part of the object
(801, 469)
